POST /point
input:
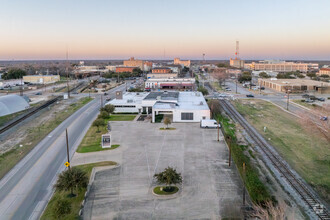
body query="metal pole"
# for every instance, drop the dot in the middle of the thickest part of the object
(67, 146)
(287, 102)
(243, 184)
(218, 132)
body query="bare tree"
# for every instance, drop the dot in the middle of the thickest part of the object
(270, 211)
(221, 75)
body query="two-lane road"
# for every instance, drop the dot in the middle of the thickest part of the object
(26, 189)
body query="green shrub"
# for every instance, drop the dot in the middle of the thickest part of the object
(61, 208)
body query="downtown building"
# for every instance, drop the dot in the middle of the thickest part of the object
(281, 66)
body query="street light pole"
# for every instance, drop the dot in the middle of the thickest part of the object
(288, 98)
(67, 146)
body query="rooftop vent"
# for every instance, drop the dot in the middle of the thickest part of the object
(129, 100)
(201, 103)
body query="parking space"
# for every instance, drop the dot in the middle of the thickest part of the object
(210, 189)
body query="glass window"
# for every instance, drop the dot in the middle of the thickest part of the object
(187, 116)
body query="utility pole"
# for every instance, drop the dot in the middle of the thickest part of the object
(288, 99)
(218, 131)
(243, 185)
(101, 101)
(67, 73)
(236, 86)
(67, 146)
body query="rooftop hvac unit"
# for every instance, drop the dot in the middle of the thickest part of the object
(201, 103)
(197, 94)
(129, 100)
(158, 98)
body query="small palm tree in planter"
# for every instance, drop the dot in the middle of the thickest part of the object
(168, 177)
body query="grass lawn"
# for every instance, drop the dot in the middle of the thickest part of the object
(305, 151)
(35, 134)
(92, 139)
(171, 191)
(75, 201)
(167, 129)
(307, 105)
(115, 117)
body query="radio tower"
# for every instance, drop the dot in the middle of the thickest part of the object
(237, 50)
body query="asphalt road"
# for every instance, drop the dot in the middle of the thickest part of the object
(27, 188)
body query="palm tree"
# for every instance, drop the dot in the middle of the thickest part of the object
(71, 179)
(168, 177)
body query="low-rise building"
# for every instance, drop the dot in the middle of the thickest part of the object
(41, 79)
(178, 106)
(282, 66)
(123, 69)
(170, 83)
(269, 73)
(161, 70)
(324, 71)
(295, 85)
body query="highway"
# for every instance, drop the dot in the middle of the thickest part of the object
(27, 188)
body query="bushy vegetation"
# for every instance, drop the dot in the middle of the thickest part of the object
(203, 90)
(14, 73)
(257, 190)
(136, 73)
(245, 77)
(264, 75)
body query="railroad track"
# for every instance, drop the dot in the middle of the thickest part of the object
(32, 112)
(12, 124)
(300, 187)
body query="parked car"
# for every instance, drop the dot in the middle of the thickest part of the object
(309, 100)
(321, 99)
(262, 88)
(38, 93)
(105, 93)
(209, 123)
(311, 97)
(305, 96)
(250, 95)
(324, 118)
(228, 89)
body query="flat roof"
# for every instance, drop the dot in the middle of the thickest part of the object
(129, 97)
(162, 95)
(296, 82)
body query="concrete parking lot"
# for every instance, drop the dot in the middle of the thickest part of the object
(210, 189)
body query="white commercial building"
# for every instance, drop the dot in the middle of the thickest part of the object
(178, 106)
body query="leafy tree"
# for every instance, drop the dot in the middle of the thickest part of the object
(264, 75)
(203, 90)
(221, 65)
(168, 177)
(311, 75)
(137, 71)
(99, 122)
(215, 107)
(61, 208)
(71, 179)
(167, 121)
(287, 75)
(14, 73)
(103, 114)
(108, 108)
(325, 76)
(245, 77)
(135, 90)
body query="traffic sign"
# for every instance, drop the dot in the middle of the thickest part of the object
(67, 164)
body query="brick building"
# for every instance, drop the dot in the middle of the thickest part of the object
(161, 70)
(122, 69)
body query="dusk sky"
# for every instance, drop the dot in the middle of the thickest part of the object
(108, 29)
